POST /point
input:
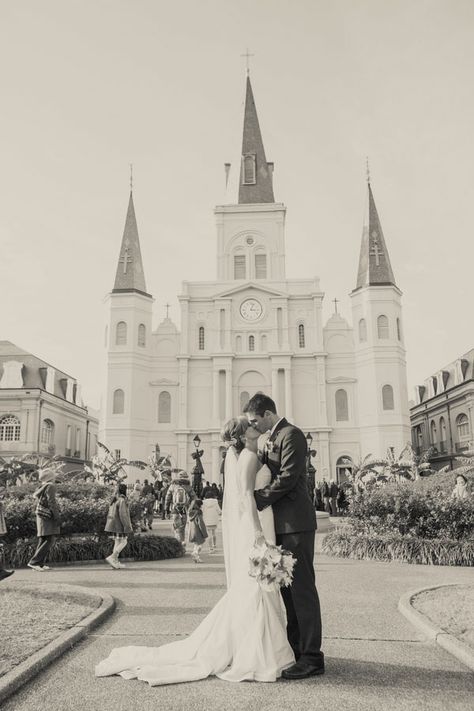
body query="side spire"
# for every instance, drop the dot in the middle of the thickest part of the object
(256, 175)
(374, 261)
(130, 275)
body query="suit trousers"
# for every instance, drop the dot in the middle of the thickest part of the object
(42, 550)
(301, 599)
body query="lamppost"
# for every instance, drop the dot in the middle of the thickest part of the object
(310, 470)
(198, 470)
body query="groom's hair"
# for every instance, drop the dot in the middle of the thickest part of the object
(259, 403)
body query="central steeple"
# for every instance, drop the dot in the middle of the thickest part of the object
(256, 175)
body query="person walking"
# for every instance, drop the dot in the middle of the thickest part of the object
(197, 529)
(119, 524)
(178, 498)
(285, 453)
(318, 498)
(326, 496)
(3, 531)
(333, 491)
(48, 521)
(147, 500)
(211, 512)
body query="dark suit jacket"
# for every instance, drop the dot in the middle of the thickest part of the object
(285, 455)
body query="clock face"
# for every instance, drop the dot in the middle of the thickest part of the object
(251, 309)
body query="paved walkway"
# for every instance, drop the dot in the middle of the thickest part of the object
(375, 659)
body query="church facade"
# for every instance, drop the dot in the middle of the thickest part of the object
(253, 329)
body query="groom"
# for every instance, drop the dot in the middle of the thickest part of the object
(295, 525)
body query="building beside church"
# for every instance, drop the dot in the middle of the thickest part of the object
(255, 329)
(41, 409)
(442, 418)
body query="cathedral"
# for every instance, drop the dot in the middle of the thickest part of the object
(253, 329)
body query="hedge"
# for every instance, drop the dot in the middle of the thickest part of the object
(83, 509)
(89, 547)
(408, 511)
(348, 543)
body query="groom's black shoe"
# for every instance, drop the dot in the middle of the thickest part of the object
(302, 670)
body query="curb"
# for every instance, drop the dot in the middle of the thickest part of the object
(26, 670)
(447, 641)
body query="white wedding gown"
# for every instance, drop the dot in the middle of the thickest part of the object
(244, 636)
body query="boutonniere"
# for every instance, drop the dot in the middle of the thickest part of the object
(270, 446)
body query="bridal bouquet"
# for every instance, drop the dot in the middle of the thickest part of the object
(271, 565)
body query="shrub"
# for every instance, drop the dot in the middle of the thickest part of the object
(89, 547)
(388, 547)
(407, 510)
(83, 509)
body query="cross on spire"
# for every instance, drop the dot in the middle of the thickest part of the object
(125, 259)
(367, 168)
(335, 302)
(167, 307)
(131, 177)
(375, 249)
(247, 56)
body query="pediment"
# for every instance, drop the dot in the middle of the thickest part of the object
(250, 287)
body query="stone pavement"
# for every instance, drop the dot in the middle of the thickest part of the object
(375, 659)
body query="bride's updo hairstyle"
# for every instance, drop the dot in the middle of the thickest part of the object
(233, 430)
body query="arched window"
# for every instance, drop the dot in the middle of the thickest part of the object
(244, 398)
(9, 429)
(201, 338)
(342, 408)
(263, 343)
(433, 433)
(239, 266)
(47, 432)
(119, 402)
(344, 467)
(382, 327)
(442, 434)
(142, 335)
(260, 266)
(121, 334)
(387, 398)
(68, 440)
(248, 169)
(399, 329)
(251, 343)
(301, 339)
(362, 330)
(238, 344)
(164, 407)
(462, 424)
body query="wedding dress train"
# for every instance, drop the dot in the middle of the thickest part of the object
(244, 635)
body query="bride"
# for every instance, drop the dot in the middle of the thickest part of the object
(244, 636)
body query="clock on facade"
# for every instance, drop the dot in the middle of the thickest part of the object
(251, 309)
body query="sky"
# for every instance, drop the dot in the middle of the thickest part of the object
(89, 87)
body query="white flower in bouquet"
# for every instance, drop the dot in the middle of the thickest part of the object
(271, 566)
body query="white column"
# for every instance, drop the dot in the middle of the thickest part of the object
(228, 393)
(288, 394)
(183, 394)
(215, 396)
(184, 325)
(285, 339)
(213, 476)
(275, 386)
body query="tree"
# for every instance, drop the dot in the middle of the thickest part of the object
(107, 467)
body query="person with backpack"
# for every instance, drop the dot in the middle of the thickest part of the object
(119, 524)
(179, 496)
(197, 529)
